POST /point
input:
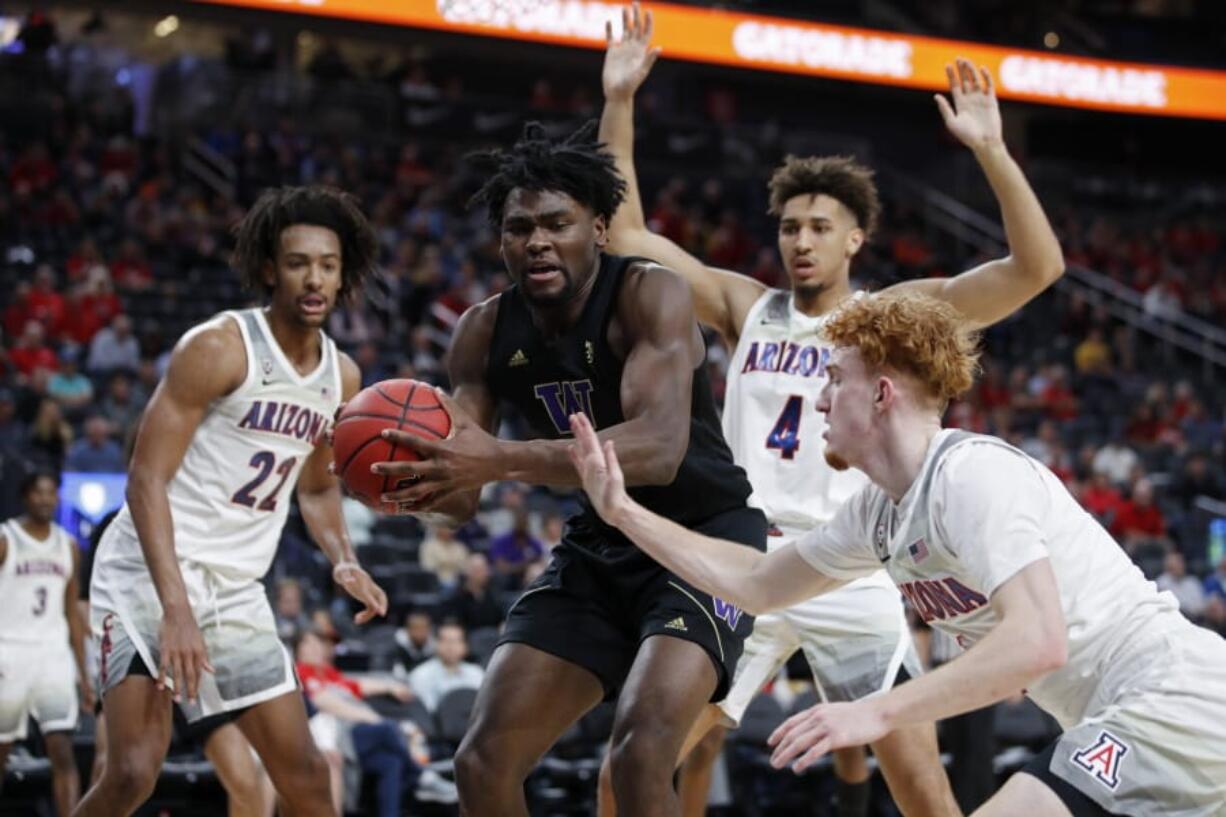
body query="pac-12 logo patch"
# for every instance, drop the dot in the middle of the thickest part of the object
(1102, 759)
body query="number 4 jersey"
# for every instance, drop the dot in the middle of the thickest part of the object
(770, 415)
(231, 494)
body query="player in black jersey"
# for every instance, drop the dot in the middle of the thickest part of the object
(616, 339)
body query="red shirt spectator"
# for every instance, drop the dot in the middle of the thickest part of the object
(130, 270)
(316, 679)
(1139, 517)
(44, 304)
(31, 352)
(1101, 499)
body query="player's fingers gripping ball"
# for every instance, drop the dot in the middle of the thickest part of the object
(404, 405)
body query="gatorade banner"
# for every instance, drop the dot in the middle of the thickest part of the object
(764, 43)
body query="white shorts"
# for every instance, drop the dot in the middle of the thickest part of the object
(250, 663)
(40, 682)
(1157, 744)
(855, 639)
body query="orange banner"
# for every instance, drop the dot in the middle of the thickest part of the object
(780, 44)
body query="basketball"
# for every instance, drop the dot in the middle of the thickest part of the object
(406, 405)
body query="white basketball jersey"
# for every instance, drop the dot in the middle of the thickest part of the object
(230, 497)
(770, 416)
(978, 513)
(33, 580)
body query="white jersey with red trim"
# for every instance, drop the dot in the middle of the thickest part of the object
(33, 578)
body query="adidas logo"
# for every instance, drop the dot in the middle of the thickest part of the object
(518, 359)
(676, 624)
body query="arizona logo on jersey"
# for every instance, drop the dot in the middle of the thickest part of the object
(1102, 759)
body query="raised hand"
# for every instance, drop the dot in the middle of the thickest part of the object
(629, 57)
(359, 585)
(974, 117)
(598, 468)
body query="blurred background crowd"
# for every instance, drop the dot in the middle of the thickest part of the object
(126, 158)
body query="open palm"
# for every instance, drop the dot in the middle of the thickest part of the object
(974, 117)
(629, 58)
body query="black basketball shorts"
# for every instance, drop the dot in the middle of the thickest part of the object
(596, 614)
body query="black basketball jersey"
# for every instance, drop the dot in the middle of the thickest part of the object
(547, 380)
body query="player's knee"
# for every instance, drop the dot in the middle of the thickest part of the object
(482, 768)
(132, 776)
(640, 755)
(707, 749)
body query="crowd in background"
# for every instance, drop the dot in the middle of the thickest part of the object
(112, 246)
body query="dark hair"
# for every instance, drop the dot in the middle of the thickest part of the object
(31, 479)
(841, 178)
(577, 165)
(258, 235)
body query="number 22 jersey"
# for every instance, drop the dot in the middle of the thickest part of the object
(770, 415)
(230, 497)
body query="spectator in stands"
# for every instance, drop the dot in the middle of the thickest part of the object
(443, 554)
(12, 433)
(68, 387)
(50, 436)
(552, 530)
(1139, 521)
(1092, 355)
(1196, 479)
(415, 642)
(473, 603)
(94, 306)
(120, 405)
(381, 749)
(512, 552)
(1199, 431)
(1215, 582)
(447, 670)
(96, 451)
(1117, 461)
(130, 270)
(1188, 589)
(289, 611)
(1215, 615)
(31, 350)
(114, 347)
(44, 304)
(1100, 498)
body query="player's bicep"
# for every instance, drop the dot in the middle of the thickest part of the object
(658, 374)
(466, 363)
(984, 294)
(204, 367)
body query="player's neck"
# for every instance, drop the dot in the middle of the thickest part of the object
(301, 345)
(813, 301)
(36, 529)
(896, 463)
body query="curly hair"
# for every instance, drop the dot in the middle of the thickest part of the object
(920, 336)
(577, 165)
(841, 178)
(258, 235)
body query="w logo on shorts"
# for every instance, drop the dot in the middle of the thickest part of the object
(731, 614)
(1102, 759)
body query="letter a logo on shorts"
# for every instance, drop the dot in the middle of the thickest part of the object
(1102, 759)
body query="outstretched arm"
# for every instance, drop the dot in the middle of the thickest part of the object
(319, 499)
(722, 299)
(77, 629)
(992, 291)
(754, 581)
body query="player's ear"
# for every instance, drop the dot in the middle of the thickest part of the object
(601, 228)
(855, 240)
(883, 393)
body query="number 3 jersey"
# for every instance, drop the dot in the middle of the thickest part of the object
(230, 497)
(33, 577)
(770, 415)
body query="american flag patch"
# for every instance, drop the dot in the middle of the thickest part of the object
(918, 550)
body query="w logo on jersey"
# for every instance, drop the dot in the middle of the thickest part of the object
(564, 399)
(1102, 759)
(731, 614)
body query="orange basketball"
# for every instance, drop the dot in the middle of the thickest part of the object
(406, 405)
